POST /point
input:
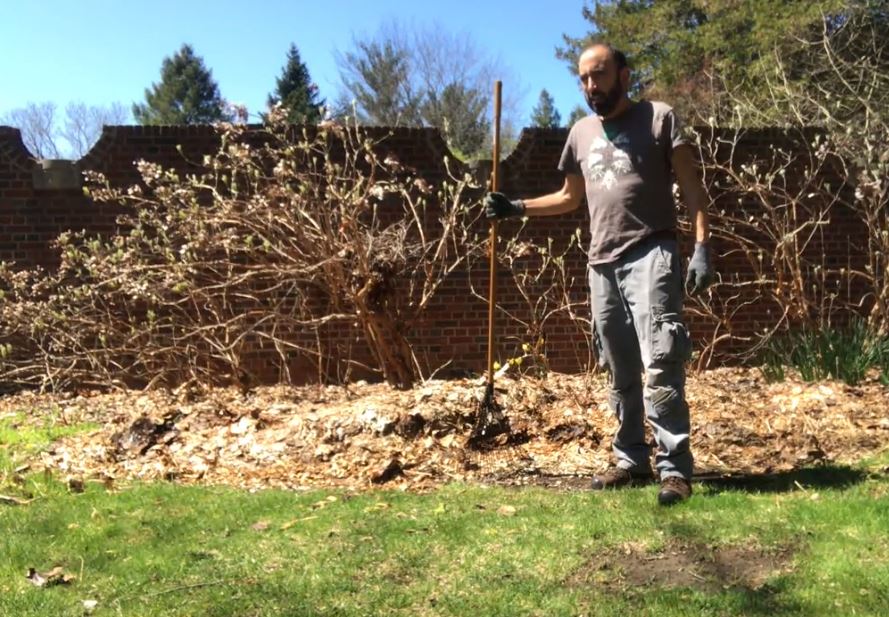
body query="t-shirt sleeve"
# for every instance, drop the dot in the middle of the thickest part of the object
(673, 131)
(569, 163)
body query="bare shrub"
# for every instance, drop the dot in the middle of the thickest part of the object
(778, 203)
(281, 239)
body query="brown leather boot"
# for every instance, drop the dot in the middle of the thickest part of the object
(618, 477)
(673, 490)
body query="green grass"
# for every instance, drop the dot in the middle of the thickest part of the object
(21, 438)
(164, 549)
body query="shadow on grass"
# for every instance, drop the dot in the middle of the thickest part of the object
(826, 476)
(820, 477)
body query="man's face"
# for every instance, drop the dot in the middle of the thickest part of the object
(602, 84)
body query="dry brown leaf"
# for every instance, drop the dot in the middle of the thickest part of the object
(14, 501)
(56, 576)
(448, 441)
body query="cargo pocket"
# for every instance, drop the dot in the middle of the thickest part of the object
(670, 341)
(616, 403)
(600, 350)
(664, 400)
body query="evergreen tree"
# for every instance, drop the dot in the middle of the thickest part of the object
(459, 111)
(378, 76)
(296, 92)
(578, 113)
(545, 115)
(186, 93)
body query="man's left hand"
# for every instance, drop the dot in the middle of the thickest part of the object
(700, 269)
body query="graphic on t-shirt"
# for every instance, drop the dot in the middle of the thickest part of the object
(606, 163)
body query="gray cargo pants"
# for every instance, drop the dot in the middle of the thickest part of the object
(636, 306)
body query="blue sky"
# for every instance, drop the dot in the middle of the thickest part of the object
(104, 51)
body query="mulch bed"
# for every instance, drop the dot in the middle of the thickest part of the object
(370, 435)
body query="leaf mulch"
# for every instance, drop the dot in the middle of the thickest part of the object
(370, 435)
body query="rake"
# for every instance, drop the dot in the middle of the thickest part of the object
(490, 421)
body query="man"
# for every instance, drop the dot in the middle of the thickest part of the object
(623, 156)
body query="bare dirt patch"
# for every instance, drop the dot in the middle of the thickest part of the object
(686, 565)
(370, 435)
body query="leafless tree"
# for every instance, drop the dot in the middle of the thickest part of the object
(49, 137)
(83, 124)
(37, 123)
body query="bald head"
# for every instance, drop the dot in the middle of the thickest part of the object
(605, 78)
(608, 51)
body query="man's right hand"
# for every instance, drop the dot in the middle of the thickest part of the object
(498, 206)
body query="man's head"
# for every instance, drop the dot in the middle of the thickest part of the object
(605, 78)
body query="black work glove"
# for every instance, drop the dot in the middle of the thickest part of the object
(700, 269)
(498, 206)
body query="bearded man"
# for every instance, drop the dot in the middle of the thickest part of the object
(623, 158)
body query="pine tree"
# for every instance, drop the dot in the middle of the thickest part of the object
(578, 113)
(377, 75)
(186, 93)
(545, 115)
(296, 92)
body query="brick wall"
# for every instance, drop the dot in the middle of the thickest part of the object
(453, 332)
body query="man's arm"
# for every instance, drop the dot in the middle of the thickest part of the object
(692, 190)
(566, 199)
(693, 193)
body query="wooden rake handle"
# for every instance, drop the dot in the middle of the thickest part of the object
(492, 262)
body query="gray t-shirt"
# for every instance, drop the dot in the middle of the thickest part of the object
(629, 182)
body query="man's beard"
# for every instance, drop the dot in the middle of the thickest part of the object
(604, 104)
